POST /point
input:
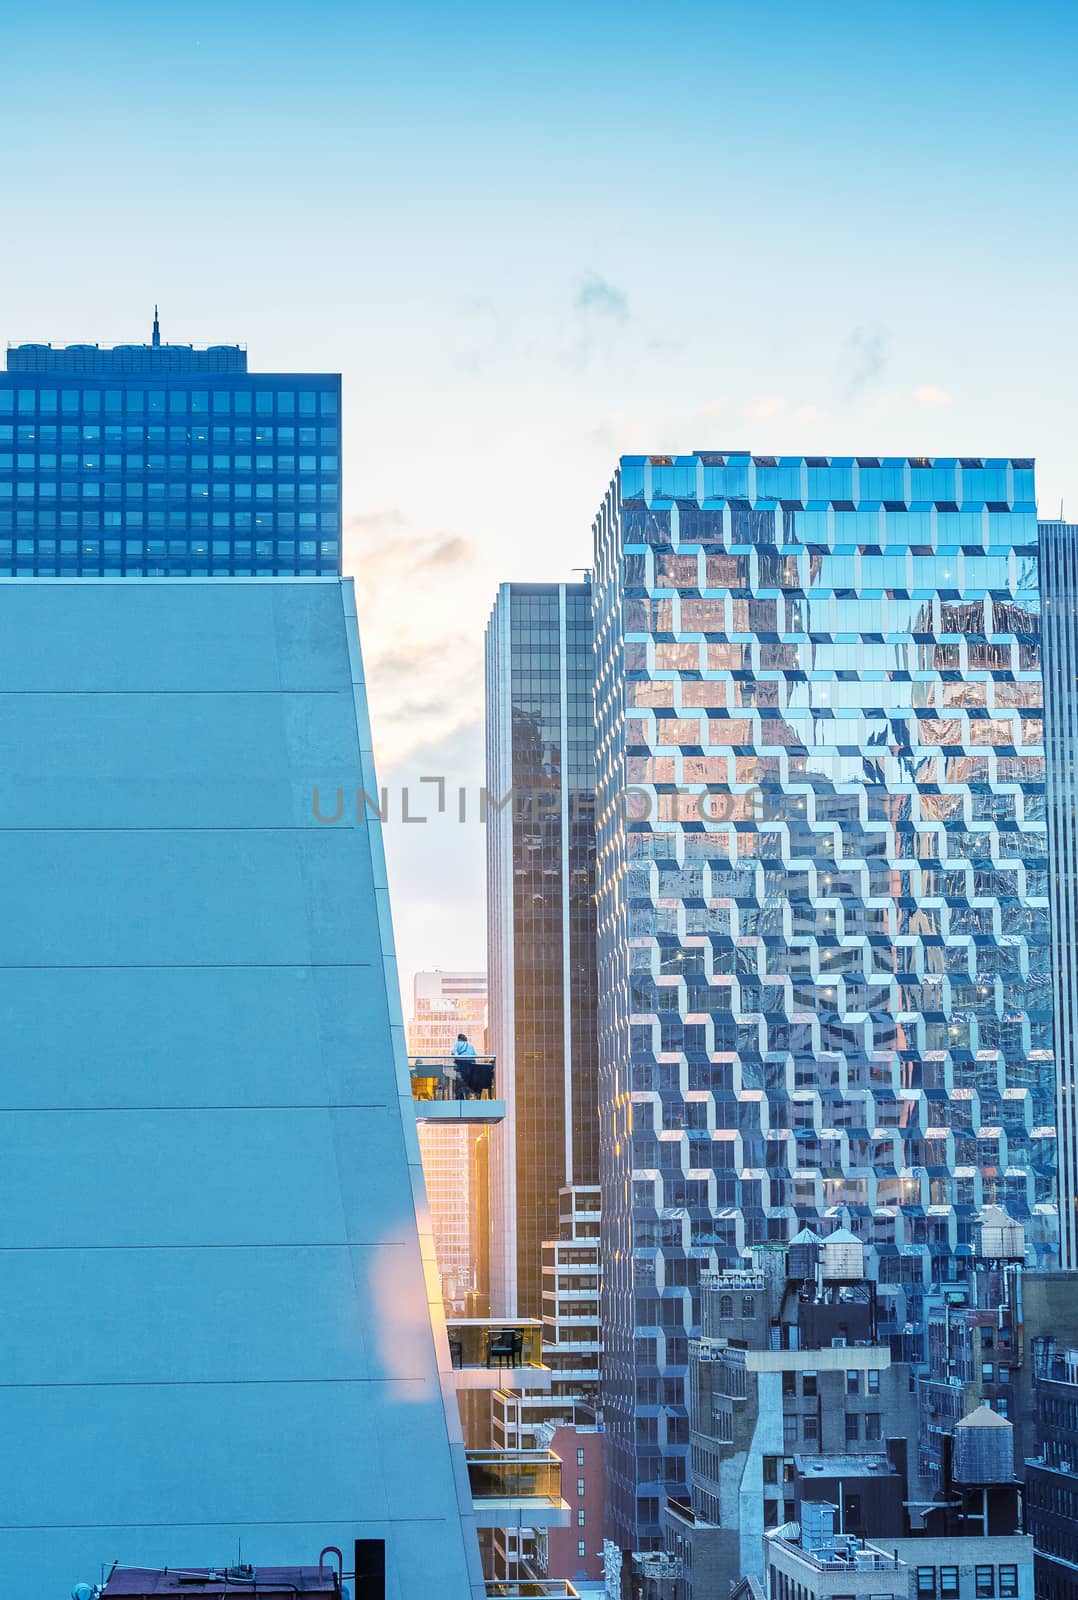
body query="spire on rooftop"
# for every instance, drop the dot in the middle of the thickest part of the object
(156, 330)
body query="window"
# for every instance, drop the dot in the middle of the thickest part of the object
(948, 1583)
(810, 1429)
(926, 1583)
(580, 1458)
(581, 1549)
(789, 1431)
(726, 1306)
(873, 1421)
(580, 1487)
(771, 1469)
(985, 1579)
(808, 1385)
(853, 1427)
(580, 1520)
(789, 1385)
(853, 1383)
(1008, 1583)
(873, 1382)
(748, 1305)
(986, 1371)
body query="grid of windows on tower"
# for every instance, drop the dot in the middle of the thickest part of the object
(110, 478)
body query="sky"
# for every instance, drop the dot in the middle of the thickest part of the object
(533, 239)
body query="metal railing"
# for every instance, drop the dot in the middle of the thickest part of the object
(483, 1342)
(514, 1474)
(452, 1077)
(543, 1588)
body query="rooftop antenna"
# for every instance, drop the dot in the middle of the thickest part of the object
(156, 330)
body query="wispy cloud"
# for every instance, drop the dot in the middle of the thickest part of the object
(763, 406)
(865, 360)
(598, 297)
(931, 398)
(421, 623)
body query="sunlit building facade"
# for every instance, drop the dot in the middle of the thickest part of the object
(822, 886)
(166, 460)
(540, 811)
(455, 1156)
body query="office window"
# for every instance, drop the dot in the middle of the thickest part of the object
(810, 1429)
(580, 1517)
(853, 1427)
(873, 1382)
(581, 1549)
(580, 1486)
(926, 1583)
(948, 1583)
(789, 1385)
(789, 1431)
(1008, 1583)
(985, 1580)
(873, 1422)
(580, 1458)
(808, 1385)
(853, 1383)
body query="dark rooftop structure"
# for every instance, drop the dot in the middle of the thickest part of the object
(209, 1583)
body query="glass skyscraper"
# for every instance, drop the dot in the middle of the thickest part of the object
(822, 885)
(165, 460)
(540, 733)
(1059, 581)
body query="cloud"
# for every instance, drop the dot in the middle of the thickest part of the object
(763, 406)
(865, 359)
(599, 297)
(931, 398)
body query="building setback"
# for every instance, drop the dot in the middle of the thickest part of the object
(166, 460)
(216, 1316)
(823, 922)
(541, 921)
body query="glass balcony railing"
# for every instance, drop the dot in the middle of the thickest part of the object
(452, 1077)
(515, 1475)
(476, 1342)
(524, 1588)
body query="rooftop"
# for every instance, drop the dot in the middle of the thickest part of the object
(126, 359)
(213, 1581)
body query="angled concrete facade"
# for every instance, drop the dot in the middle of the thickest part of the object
(221, 1310)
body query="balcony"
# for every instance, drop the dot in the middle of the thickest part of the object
(438, 1080)
(524, 1588)
(517, 1489)
(497, 1355)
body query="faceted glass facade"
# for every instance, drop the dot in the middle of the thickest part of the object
(541, 927)
(157, 461)
(1059, 581)
(822, 888)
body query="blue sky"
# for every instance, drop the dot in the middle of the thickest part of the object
(534, 238)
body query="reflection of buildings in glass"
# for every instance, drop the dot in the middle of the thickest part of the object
(1059, 580)
(454, 1158)
(541, 921)
(829, 1004)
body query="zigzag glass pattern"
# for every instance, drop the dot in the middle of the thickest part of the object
(822, 888)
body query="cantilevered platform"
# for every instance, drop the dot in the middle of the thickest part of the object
(437, 1081)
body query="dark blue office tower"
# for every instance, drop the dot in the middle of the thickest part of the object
(163, 460)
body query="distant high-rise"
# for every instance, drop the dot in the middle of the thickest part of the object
(1059, 583)
(166, 460)
(455, 1155)
(541, 920)
(822, 891)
